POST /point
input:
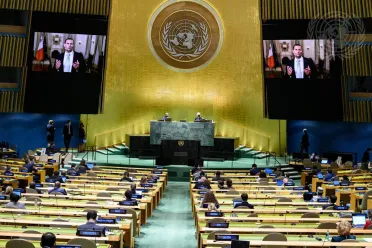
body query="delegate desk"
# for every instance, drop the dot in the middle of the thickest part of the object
(62, 234)
(147, 200)
(292, 234)
(66, 203)
(36, 243)
(97, 188)
(31, 221)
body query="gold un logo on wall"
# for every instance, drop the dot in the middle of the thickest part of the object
(185, 35)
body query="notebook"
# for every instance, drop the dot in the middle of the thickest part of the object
(359, 220)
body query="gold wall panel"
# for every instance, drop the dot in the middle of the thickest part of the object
(229, 90)
(15, 4)
(360, 64)
(308, 9)
(90, 7)
(13, 49)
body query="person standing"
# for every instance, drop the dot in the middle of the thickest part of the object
(68, 132)
(366, 158)
(304, 145)
(82, 137)
(198, 117)
(50, 133)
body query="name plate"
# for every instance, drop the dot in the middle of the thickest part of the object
(226, 237)
(89, 233)
(117, 211)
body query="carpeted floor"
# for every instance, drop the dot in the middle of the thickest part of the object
(172, 224)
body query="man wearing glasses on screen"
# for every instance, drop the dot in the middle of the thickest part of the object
(70, 61)
(300, 67)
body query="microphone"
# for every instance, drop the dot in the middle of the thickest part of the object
(15, 223)
(264, 201)
(55, 195)
(285, 218)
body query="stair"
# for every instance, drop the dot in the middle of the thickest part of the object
(262, 155)
(115, 151)
(105, 152)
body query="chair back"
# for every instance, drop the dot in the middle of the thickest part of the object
(242, 207)
(310, 215)
(31, 191)
(86, 243)
(275, 237)
(30, 153)
(350, 241)
(32, 232)
(307, 162)
(330, 208)
(284, 199)
(232, 192)
(33, 199)
(91, 202)
(91, 174)
(103, 194)
(327, 225)
(16, 243)
(216, 220)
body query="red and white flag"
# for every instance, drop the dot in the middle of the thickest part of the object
(40, 51)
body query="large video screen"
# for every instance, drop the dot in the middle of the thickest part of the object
(299, 59)
(67, 57)
(301, 73)
(70, 53)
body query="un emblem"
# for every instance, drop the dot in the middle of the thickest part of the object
(185, 35)
(181, 143)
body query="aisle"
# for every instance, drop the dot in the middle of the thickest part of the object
(172, 224)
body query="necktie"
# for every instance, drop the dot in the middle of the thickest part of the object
(68, 64)
(299, 70)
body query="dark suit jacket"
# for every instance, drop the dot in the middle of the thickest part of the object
(244, 203)
(340, 238)
(305, 140)
(90, 226)
(198, 118)
(77, 57)
(307, 62)
(126, 179)
(65, 131)
(30, 167)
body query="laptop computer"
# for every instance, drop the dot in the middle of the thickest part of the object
(359, 220)
(90, 166)
(324, 161)
(320, 176)
(336, 183)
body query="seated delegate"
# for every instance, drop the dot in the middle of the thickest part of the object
(14, 198)
(245, 203)
(91, 224)
(57, 189)
(343, 230)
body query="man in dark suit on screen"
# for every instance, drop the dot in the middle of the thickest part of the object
(70, 61)
(300, 67)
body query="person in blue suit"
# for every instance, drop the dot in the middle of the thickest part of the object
(57, 188)
(329, 175)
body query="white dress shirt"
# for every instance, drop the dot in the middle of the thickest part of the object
(299, 67)
(68, 61)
